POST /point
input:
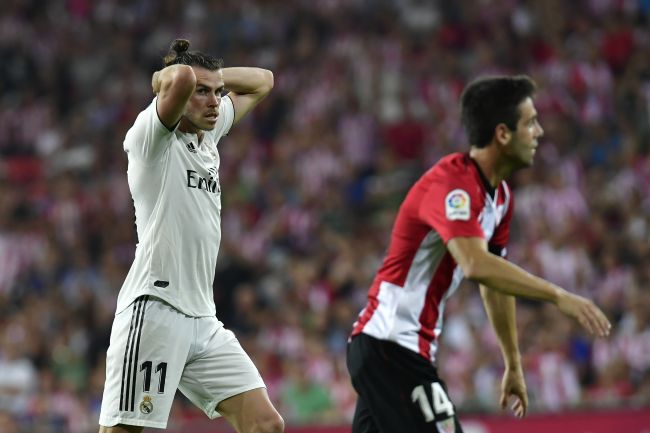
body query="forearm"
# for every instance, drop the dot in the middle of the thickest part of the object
(501, 312)
(471, 254)
(500, 275)
(248, 81)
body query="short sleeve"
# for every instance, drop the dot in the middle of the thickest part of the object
(451, 206)
(225, 119)
(148, 138)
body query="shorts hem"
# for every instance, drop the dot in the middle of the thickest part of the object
(111, 422)
(211, 408)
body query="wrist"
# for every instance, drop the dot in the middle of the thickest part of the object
(513, 363)
(558, 294)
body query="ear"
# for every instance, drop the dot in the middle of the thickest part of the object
(502, 134)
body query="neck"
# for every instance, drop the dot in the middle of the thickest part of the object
(187, 126)
(494, 167)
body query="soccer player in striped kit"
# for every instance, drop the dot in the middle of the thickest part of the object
(165, 335)
(453, 224)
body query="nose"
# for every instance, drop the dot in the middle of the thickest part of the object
(214, 100)
(540, 130)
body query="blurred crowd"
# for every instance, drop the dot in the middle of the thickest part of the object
(365, 100)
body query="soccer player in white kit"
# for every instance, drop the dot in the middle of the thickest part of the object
(165, 335)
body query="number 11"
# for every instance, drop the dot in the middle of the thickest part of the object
(162, 368)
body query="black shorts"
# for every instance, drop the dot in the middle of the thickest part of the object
(399, 390)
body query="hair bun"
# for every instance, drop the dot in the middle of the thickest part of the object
(176, 50)
(180, 45)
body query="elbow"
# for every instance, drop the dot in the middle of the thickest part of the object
(469, 270)
(181, 79)
(474, 269)
(184, 77)
(269, 80)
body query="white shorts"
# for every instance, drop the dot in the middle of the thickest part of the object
(156, 349)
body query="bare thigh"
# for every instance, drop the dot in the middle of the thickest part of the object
(251, 411)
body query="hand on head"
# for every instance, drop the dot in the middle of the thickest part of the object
(155, 82)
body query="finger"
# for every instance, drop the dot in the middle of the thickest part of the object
(521, 412)
(592, 323)
(596, 325)
(524, 407)
(599, 321)
(517, 408)
(504, 399)
(522, 401)
(524, 404)
(516, 405)
(605, 323)
(586, 323)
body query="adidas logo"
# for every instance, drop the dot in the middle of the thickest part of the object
(190, 147)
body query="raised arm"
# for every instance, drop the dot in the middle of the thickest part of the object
(247, 87)
(174, 86)
(498, 274)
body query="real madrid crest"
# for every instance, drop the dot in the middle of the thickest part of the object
(146, 406)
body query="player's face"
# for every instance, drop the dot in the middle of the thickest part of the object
(523, 144)
(203, 107)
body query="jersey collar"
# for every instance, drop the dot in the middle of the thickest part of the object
(486, 183)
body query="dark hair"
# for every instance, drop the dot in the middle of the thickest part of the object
(179, 55)
(488, 101)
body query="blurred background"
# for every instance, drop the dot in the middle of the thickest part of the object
(365, 100)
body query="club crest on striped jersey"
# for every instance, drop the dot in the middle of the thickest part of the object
(446, 426)
(457, 205)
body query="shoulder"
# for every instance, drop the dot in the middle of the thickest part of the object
(454, 165)
(454, 181)
(148, 136)
(148, 117)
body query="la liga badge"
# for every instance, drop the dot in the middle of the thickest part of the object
(457, 205)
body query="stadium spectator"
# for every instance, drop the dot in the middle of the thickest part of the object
(66, 218)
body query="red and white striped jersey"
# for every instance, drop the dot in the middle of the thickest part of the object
(407, 298)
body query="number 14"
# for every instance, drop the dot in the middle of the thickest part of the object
(441, 403)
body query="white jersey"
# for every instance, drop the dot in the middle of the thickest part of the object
(174, 183)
